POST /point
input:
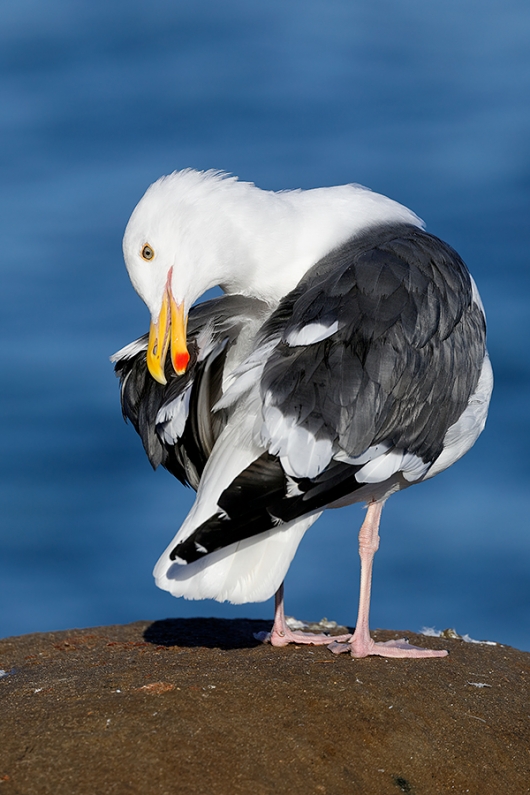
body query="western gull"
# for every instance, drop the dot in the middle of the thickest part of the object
(345, 361)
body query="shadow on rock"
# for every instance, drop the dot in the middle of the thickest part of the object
(212, 633)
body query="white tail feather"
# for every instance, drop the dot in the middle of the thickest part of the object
(249, 571)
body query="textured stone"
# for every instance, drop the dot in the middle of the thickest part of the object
(197, 706)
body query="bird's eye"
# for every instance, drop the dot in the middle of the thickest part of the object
(147, 252)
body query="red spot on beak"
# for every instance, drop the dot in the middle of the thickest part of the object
(180, 362)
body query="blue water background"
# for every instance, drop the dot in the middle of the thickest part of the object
(426, 102)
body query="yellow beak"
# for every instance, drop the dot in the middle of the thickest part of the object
(169, 330)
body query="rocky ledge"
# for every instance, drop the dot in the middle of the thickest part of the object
(198, 706)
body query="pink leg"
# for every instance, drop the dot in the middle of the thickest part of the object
(281, 635)
(360, 643)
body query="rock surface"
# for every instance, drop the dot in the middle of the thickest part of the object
(197, 706)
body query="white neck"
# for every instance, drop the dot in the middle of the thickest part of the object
(264, 242)
(207, 229)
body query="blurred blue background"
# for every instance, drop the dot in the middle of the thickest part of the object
(428, 103)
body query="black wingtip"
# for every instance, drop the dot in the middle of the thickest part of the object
(188, 551)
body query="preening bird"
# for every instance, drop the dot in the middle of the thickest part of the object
(345, 361)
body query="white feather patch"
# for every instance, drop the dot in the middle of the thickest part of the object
(276, 427)
(301, 453)
(313, 332)
(413, 467)
(382, 467)
(130, 350)
(368, 455)
(246, 376)
(171, 419)
(249, 571)
(307, 456)
(238, 387)
(292, 489)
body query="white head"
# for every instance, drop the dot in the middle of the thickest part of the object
(194, 230)
(171, 257)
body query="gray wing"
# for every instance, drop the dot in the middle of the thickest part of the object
(399, 346)
(363, 369)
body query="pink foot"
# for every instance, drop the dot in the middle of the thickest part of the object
(282, 635)
(285, 636)
(390, 648)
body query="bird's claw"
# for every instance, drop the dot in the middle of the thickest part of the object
(391, 648)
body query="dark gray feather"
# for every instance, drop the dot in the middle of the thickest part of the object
(408, 350)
